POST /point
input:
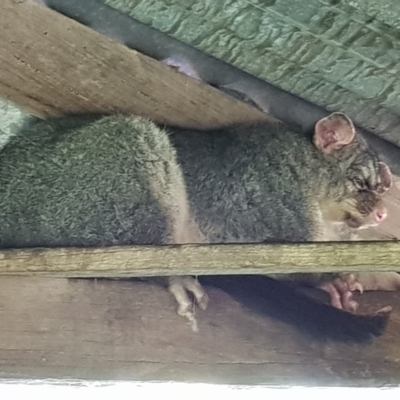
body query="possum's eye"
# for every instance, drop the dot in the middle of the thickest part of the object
(359, 183)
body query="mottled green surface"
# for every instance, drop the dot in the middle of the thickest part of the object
(387, 11)
(341, 54)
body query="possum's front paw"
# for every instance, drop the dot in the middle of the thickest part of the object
(180, 287)
(341, 291)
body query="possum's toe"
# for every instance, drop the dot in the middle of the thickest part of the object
(341, 291)
(348, 303)
(350, 283)
(334, 295)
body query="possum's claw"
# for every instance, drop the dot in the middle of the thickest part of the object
(179, 287)
(352, 283)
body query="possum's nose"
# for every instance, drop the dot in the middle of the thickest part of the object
(380, 214)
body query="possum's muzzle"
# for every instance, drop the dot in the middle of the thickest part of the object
(368, 211)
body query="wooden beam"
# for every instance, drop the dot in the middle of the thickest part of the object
(202, 260)
(51, 66)
(125, 330)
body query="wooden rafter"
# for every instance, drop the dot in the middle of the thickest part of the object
(51, 65)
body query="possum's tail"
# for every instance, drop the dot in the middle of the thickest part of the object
(284, 301)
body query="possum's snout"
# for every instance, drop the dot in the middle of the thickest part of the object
(380, 213)
(377, 215)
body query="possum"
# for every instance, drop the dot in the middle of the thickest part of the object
(117, 180)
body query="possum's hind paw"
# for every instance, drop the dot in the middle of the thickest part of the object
(180, 287)
(341, 292)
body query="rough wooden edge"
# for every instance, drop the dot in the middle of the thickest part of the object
(202, 260)
(52, 65)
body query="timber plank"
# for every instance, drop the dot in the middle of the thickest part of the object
(52, 65)
(140, 261)
(107, 329)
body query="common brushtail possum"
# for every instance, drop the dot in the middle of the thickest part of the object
(102, 181)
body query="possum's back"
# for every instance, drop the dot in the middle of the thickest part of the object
(247, 185)
(83, 182)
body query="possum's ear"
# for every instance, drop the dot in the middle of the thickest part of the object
(333, 132)
(385, 177)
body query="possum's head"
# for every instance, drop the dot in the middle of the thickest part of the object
(357, 179)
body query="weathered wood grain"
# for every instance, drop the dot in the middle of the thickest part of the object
(202, 259)
(104, 329)
(51, 65)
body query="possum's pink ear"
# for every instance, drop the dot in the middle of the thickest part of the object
(333, 132)
(385, 178)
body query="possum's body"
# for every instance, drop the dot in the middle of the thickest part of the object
(102, 182)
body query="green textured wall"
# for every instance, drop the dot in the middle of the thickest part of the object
(387, 11)
(340, 54)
